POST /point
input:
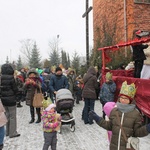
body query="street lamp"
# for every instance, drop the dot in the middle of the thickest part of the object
(88, 9)
(57, 41)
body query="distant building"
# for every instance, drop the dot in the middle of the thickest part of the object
(118, 19)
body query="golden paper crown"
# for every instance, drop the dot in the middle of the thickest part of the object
(109, 76)
(128, 90)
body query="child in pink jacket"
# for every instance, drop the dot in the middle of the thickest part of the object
(51, 124)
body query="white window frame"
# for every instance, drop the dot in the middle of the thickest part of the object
(142, 1)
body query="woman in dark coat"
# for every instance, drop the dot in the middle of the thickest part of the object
(32, 83)
(8, 98)
(89, 93)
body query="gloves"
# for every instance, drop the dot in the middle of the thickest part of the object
(94, 116)
(148, 127)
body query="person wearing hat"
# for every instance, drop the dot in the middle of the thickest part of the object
(107, 91)
(129, 119)
(51, 124)
(138, 55)
(33, 82)
(58, 81)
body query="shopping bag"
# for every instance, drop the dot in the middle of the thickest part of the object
(38, 98)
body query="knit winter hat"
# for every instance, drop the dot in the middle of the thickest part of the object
(58, 69)
(108, 107)
(109, 76)
(128, 90)
(50, 107)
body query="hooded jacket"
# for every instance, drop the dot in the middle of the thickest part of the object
(90, 84)
(9, 88)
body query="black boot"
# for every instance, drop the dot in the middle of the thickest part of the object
(19, 104)
(39, 115)
(32, 114)
(1, 146)
(31, 121)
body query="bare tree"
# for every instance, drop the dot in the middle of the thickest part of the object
(26, 49)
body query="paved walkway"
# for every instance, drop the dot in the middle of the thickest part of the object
(85, 137)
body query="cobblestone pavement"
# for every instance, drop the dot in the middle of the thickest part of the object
(85, 137)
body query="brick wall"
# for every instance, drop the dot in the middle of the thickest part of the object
(108, 17)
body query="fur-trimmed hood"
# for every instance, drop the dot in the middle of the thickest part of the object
(32, 70)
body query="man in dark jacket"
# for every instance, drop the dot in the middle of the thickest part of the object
(58, 81)
(8, 98)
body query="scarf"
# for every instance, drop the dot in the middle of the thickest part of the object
(124, 108)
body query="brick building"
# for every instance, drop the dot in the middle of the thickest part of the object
(115, 20)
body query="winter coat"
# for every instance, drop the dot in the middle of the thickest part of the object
(58, 82)
(132, 125)
(107, 92)
(71, 82)
(90, 84)
(9, 88)
(3, 119)
(51, 121)
(138, 53)
(30, 87)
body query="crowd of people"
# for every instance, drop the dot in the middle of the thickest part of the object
(18, 86)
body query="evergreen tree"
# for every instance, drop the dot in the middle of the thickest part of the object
(35, 57)
(19, 63)
(75, 62)
(54, 52)
(64, 61)
(54, 58)
(68, 61)
(46, 64)
(7, 60)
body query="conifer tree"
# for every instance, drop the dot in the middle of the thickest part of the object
(7, 60)
(68, 61)
(64, 61)
(35, 57)
(19, 63)
(54, 58)
(75, 62)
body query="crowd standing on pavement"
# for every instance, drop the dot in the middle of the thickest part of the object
(20, 85)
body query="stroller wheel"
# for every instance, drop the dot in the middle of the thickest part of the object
(72, 128)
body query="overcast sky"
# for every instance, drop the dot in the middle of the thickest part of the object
(43, 20)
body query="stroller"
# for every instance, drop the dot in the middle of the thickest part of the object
(64, 106)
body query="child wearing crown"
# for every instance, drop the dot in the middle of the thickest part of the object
(124, 120)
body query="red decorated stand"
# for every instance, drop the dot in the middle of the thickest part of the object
(142, 97)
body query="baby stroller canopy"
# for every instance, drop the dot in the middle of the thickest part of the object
(64, 100)
(63, 94)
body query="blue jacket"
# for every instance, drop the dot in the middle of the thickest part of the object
(107, 92)
(58, 82)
